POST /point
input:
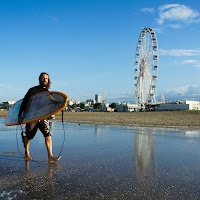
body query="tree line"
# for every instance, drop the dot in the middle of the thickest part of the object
(4, 105)
(95, 106)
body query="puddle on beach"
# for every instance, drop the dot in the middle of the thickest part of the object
(102, 162)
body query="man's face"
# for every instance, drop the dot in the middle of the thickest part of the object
(44, 80)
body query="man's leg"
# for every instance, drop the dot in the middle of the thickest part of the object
(31, 129)
(27, 143)
(44, 128)
(48, 142)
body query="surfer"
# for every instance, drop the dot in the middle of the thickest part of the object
(43, 125)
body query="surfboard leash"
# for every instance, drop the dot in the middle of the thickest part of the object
(23, 139)
(64, 133)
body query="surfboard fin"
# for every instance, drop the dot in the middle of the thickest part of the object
(50, 98)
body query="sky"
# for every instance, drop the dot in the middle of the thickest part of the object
(88, 46)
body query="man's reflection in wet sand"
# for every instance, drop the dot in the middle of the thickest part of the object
(27, 162)
(50, 169)
(38, 184)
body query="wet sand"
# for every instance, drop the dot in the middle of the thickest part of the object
(102, 162)
(166, 119)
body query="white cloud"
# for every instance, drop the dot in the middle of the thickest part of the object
(180, 90)
(183, 52)
(179, 52)
(166, 6)
(185, 62)
(178, 13)
(190, 61)
(196, 63)
(187, 92)
(126, 93)
(180, 94)
(148, 10)
(4, 86)
(184, 92)
(175, 26)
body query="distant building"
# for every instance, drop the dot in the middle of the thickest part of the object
(90, 102)
(107, 109)
(71, 102)
(98, 98)
(127, 107)
(162, 99)
(7, 104)
(11, 102)
(179, 105)
(105, 104)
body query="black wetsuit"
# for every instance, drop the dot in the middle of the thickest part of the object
(43, 125)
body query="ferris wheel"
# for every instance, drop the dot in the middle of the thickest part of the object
(146, 67)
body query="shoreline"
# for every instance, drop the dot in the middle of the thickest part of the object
(160, 119)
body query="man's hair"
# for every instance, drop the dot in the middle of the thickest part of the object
(49, 81)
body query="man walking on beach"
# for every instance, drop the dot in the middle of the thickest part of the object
(43, 125)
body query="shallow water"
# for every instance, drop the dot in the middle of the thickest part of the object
(102, 162)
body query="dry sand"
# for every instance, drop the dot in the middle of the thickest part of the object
(166, 119)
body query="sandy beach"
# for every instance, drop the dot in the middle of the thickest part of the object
(165, 119)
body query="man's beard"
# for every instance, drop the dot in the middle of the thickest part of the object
(43, 84)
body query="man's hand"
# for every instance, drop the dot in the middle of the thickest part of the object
(20, 119)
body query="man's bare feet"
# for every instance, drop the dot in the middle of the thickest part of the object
(27, 157)
(53, 159)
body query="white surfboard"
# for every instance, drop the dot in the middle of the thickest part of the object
(41, 106)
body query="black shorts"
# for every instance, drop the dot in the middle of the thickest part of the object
(31, 128)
